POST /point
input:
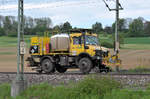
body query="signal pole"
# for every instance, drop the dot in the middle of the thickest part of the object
(117, 9)
(116, 28)
(117, 44)
(19, 84)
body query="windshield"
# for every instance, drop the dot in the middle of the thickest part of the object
(91, 40)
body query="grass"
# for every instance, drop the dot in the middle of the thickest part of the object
(137, 43)
(92, 87)
(7, 53)
(129, 43)
(5, 91)
(12, 41)
(137, 40)
(128, 94)
(136, 46)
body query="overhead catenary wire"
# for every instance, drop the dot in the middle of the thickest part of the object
(107, 5)
(110, 9)
(46, 5)
(12, 9)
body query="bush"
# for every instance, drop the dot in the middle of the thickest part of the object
(97, 85)
(5, 91)
(121, 38)
(12, 34)
(107, 44)
(2, 32)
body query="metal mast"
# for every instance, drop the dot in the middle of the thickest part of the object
(116, 28)
(19, 84)
(118, 7)
(20, 57)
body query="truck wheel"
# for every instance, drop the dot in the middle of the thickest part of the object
(85, 65)
(61, 69)
(47, 66)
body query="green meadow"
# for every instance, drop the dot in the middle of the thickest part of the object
(129, 43)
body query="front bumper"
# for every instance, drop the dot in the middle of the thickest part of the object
(97, 58)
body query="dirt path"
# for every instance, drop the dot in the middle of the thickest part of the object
(130, 59)
(135, 58)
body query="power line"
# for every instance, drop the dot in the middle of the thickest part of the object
(110, 9)
(27, 7)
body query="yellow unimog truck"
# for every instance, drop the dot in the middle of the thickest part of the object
(79, 48)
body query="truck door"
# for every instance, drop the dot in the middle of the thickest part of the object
(77, 45)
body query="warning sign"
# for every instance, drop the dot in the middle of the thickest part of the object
(22, 48)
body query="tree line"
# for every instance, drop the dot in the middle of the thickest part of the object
(138, 27)
(37, 26)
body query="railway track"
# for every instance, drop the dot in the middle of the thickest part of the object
(78, 73)
(125, 78)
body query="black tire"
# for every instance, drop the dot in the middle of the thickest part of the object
(61, 69)
(47, 66)
(85, 65)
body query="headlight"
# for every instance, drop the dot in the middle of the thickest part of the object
(98, 57)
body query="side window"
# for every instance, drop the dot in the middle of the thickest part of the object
(76, 40)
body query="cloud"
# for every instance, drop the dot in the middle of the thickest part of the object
(81, 13)
(136, 8)
(51, 5)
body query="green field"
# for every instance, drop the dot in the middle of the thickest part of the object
(129, 43)
(93, 87)
(139, 43)
(12, 41)
(138, 40)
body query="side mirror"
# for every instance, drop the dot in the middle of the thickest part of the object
(86, 47)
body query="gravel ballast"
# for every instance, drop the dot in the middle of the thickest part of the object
(129, 81)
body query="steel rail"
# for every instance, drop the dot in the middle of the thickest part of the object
(78, 73)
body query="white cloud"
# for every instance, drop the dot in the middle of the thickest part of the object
(83, 13)
(50, 5)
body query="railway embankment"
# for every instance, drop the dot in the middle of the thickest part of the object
(128, 81)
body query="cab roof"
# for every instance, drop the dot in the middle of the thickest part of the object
(81, 31)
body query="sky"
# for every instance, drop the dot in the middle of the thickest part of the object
(80, 13)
